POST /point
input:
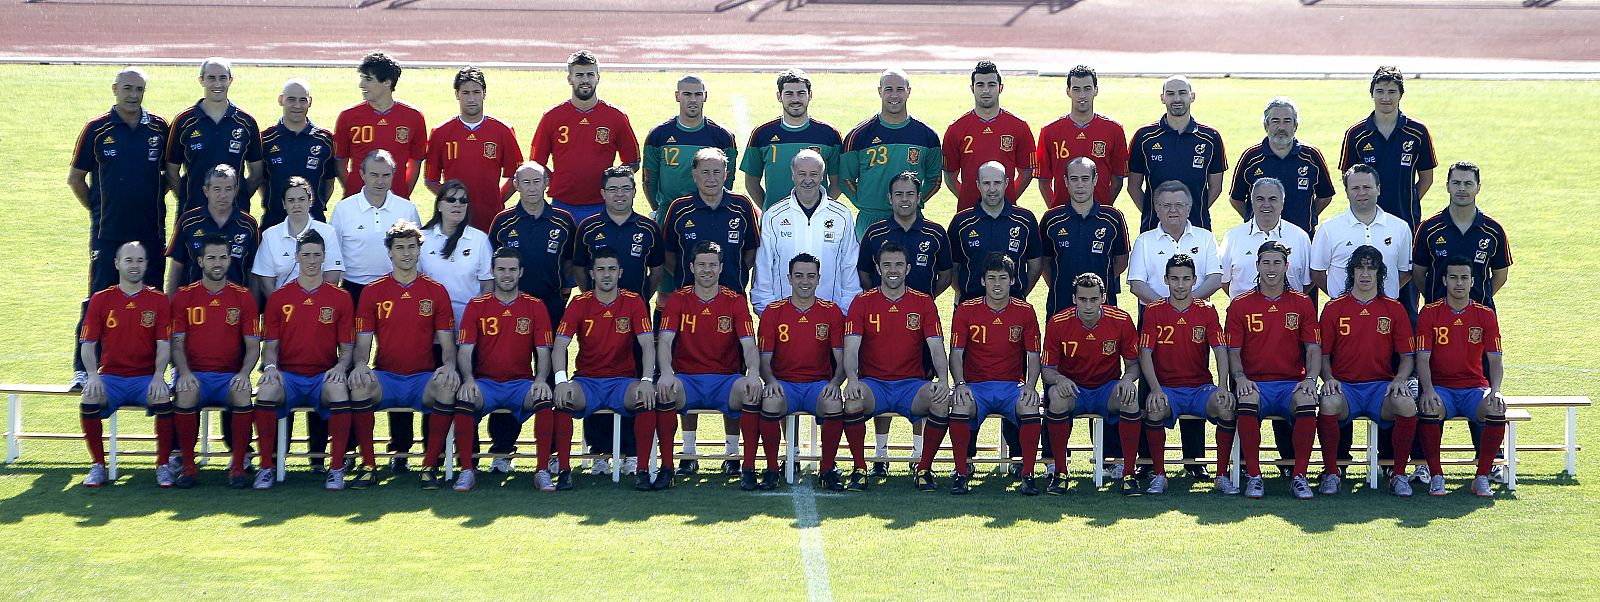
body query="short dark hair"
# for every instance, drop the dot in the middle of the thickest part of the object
(908, 176)
(581, 57)
(706, 247)
(793, 76)
(1361, 168)
(616, 171)
(214, 240)
(608, 253)
(1272, 246)
(1084, 71)
(1180, 261)
(470, 74)
(1089, 280)
(401, 229)
(1465, 166)
(310, 237)
(1453, 261)
(1367, 255)
(984, 68)
(1390, 74)
(996, 261)
(381, 67)
(891, 247)
(506, 253)
(804, 258)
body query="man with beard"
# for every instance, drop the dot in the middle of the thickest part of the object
(773, 144)
(578, 139)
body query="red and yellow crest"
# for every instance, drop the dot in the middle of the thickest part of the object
(822, 332)
(1108, 348)
(724, 324)
(491, 150)
(1291, 321)
(624, 324)
(1007, 143)
(524, 325)
(402, 134)
(147, 319)
(232, 316)
(325, 315)
(1098, 149)
(1384, 325)
(913, 321)
(602, 135)
(1198, 334)
(1475, 335)
(425, 308)
(1015, 335)
(913, 156)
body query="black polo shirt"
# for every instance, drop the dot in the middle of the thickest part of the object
(1398, 158)
(188, 241)
(1161, 153)
(1484, 242)
(927, 252)
(308, 154)
(1303, 172)
(126, 188)
(545, 242)
(974, 234)
(734, 224)
(1074, 244)
(637, 241)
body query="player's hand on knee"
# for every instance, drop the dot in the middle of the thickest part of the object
(240, 382)
(855, 391)
(961, 397)
(1244, 387)
(447, 378)
(1307, 387)
(1398, 388)
(752, 387)
(469, 393)
(1431, 404)
(187, 383)
(1496, 404)
(829, 395)
(1126, 393)
(1332, 388)
(157, 391)
(335, 377)
(93, 389)
(1029, 400)
(541, 391)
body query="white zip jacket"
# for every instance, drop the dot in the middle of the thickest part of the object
(829, 234)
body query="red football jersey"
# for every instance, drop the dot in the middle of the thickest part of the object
(708, 332)
(1091, 357)
(1269, 333)
(361, 129)
(1180, 342)
(971, 141)
(605, 343)
(578, 145)
(403, 319)
(309, 326)
(127, 328)
(1457, 341)
(994, 344)
(801, 343)
(893, 332)
(504, 335)
(215, 325)
(480, 156)
(1362, 337)
(1102, 141)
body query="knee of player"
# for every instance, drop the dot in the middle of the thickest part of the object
(1301, 400)
(1332, 405)
(336, 392)
(851, 406)
(773, 405)
(1403, 406)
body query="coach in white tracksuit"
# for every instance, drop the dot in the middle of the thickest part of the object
(807, 221)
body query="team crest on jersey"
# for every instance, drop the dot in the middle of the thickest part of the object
(316, 149)
(491, 150)
(1098, 234)
(232, 317)
(913, 156)
(1304, 169)
(924, 245)
(425, 308)
(1407, 145)
(1016, 334)
(1098, 149)
(1291, 321)
(155, 141)
(1475, 335)
(1108, 347)
(1383, 325)
(524, 325)
(624, 324)
(1198, 334)
(325, 316)
(1483, 244)
(147, 319)
(913, 321)
(1007, 143)
(724, 324)
(822, 332)
(402, 134)
(602, 135)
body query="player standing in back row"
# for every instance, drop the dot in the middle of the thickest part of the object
(379, 122)
(579, 138)
(1082, 134)
(476, 149)
(884, 146)
(987, 133)
(773, 144)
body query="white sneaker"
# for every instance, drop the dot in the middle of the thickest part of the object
(335, 480)
(97, 476)
(554, 466)
(543, 481)
(1421, 474)
(76, 384)
(1497, 474)
(466, 480)
(1049, 470)
(175, 463)
(265, 479)
(630, 465)
(164, 475)
(501, 465)
(602, 466)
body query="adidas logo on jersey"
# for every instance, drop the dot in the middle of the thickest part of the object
(705, 312)
(876, 140)
(214, 303)
(774, 138)
(1082, 137)
(472, 136)
(130, 305)
(607, 314)
(1365, 313)
(997, 321)
(672, 139)
(506, 313)
(1182, 321)
(988, 131)
(383, 122)
(584, 121)
(1458, 322)
(406, 295)
(1156, 147)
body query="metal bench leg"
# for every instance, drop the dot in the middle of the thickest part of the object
(1372, 455)
(205, 437)
(1097, 437)
(1233, 464)
(450, 454)
(791, 425)
(1572, 441)
(1511, 456)
(112, 466)
(283, 447)
(616, 448)
(14, 420)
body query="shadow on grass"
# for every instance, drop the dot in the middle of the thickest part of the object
(703, 500)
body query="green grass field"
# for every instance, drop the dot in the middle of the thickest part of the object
(706, 539)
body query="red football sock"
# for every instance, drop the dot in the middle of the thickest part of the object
(960, 442)
(832, 430)
(1328, 435)
(1432, 433)
(1028, 438)
(750, 430)
(666, 436)
(563, 440)
(240, 423)
(439, 424)
(644, 432)
(466, 428)
(1489, 445)
(1225, 438)
(1249, 445)
(94, 436)
(1156, 435)
(166, 432)
(1129, 431)
(770, 436)
(363, 424)
(187, 426)
(1305, 433)
(856, 431)
(339, 425)
(932, 438)
(1060, 431)
(1405, 430)
(544, 431)
(266, 421)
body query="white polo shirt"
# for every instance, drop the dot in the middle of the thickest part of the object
(829, 233)
(275, 256)
(361, 228)
(1239, 247)
(1338, 237)
(1148, 261)
(465, 270)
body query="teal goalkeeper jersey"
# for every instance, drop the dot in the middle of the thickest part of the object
(875, 152)
(773, 145)
(668, 159)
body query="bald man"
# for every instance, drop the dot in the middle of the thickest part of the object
(884, 146)
(807, 221)
(297, 147)
(1176, 147)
